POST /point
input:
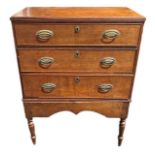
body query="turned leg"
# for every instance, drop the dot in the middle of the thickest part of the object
(121, 131)
(32, 130)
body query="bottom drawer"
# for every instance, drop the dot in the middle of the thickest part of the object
(40, 108)
(84, 86)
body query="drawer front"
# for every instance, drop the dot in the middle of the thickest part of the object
(77, 34)
(54, 86)
(76, 60)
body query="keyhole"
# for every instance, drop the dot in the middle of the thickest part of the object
(77, 29)
(77, 54)
(77, 79)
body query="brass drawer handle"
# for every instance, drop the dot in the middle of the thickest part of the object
(105, 88)
(44, 35)
(48, 87)
(45, 62)
(77, 29)
(111, 34)
(107, 62)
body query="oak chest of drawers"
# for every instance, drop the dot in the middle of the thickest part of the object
(77, 59)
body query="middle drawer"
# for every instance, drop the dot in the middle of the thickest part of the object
(77, 60)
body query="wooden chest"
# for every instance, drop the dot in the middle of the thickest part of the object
(77, 59)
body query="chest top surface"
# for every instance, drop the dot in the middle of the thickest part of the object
(78, 14)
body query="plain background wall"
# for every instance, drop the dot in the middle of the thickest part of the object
(88, 132)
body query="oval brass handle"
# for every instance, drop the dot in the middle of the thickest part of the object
(45, 62)
(104, 88)
(111, 34)
(44, 35)
(48, 87)
(107, 62)
(77, 29)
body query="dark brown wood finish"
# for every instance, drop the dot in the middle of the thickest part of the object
(121, 131)
(71, 59)
(32, 130)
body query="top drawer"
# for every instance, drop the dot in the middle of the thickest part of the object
(40, 34)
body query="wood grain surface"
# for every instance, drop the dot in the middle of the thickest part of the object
(65, 60)
(89, 35)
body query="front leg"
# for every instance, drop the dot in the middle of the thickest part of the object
(32, 130)
(121, 131)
